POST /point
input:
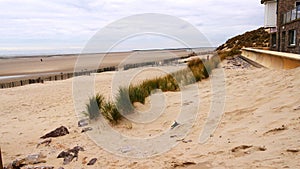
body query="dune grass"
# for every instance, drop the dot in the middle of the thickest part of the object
(108, 109)
(110, 112)
(93, 106)
(196, 71)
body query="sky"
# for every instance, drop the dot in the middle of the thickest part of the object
(36, 25)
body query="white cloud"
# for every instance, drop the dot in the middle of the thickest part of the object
(52, 22)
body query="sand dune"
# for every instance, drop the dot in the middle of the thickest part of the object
(260, 124)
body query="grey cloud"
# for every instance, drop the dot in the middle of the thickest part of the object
(76, 21)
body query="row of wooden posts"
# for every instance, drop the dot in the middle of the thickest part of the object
(152, 63)
(61, 76)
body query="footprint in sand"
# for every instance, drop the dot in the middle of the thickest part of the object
(246, 149)
(191, 165)
(275, 130)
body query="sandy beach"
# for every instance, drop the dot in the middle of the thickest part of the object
(260, 126)
(66, 63)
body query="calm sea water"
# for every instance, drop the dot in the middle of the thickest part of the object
(15, 53)
(18, 53)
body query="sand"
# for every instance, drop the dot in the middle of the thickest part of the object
(65, 63)
(258, 101)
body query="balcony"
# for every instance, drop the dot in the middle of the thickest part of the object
(291, 15)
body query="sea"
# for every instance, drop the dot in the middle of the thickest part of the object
(48, 52)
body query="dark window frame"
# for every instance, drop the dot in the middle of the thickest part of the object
(273, 40)
(292, 37)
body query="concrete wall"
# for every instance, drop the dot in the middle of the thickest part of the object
(272, 59)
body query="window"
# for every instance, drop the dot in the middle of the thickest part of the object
(298, 9)
(273, 40)
(288, 16)
(294, 15)
(283, 18)
(292, 37)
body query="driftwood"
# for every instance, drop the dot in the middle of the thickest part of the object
(61, 131)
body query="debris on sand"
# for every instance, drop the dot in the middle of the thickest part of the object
(174, 124)
(92, 161)
(29, 160)
(83, 122)
(236, 63)
(241, 147)
(262, 148)
(182, 164)
(247, 149)
(61, 131)
(86, 129)
(297, 108)
(84, 160)
(69, 155)
(184, 141)
(283, 127)
(46, 142)
(40, 167)
(293, 150)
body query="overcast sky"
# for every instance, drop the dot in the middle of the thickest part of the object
(49, 24)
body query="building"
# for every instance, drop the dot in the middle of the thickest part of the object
(282, 17)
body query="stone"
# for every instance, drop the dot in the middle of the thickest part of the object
(92, 161)
(61, 131)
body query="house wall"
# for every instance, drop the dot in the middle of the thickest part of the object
(283, 41)
(285, 45)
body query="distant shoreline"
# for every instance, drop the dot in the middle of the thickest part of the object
(15, 56)
(112, 62)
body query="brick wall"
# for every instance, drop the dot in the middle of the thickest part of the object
(283, 41)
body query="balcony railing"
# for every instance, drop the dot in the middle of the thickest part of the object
(291, 15)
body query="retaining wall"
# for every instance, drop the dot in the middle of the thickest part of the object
(272, 59)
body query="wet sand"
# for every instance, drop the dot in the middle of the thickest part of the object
(67, 63)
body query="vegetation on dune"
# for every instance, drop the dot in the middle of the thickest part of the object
(123, 101)
(196, 71)
(93, 107)
(110, 112)
(257, 38)
(108, 109)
